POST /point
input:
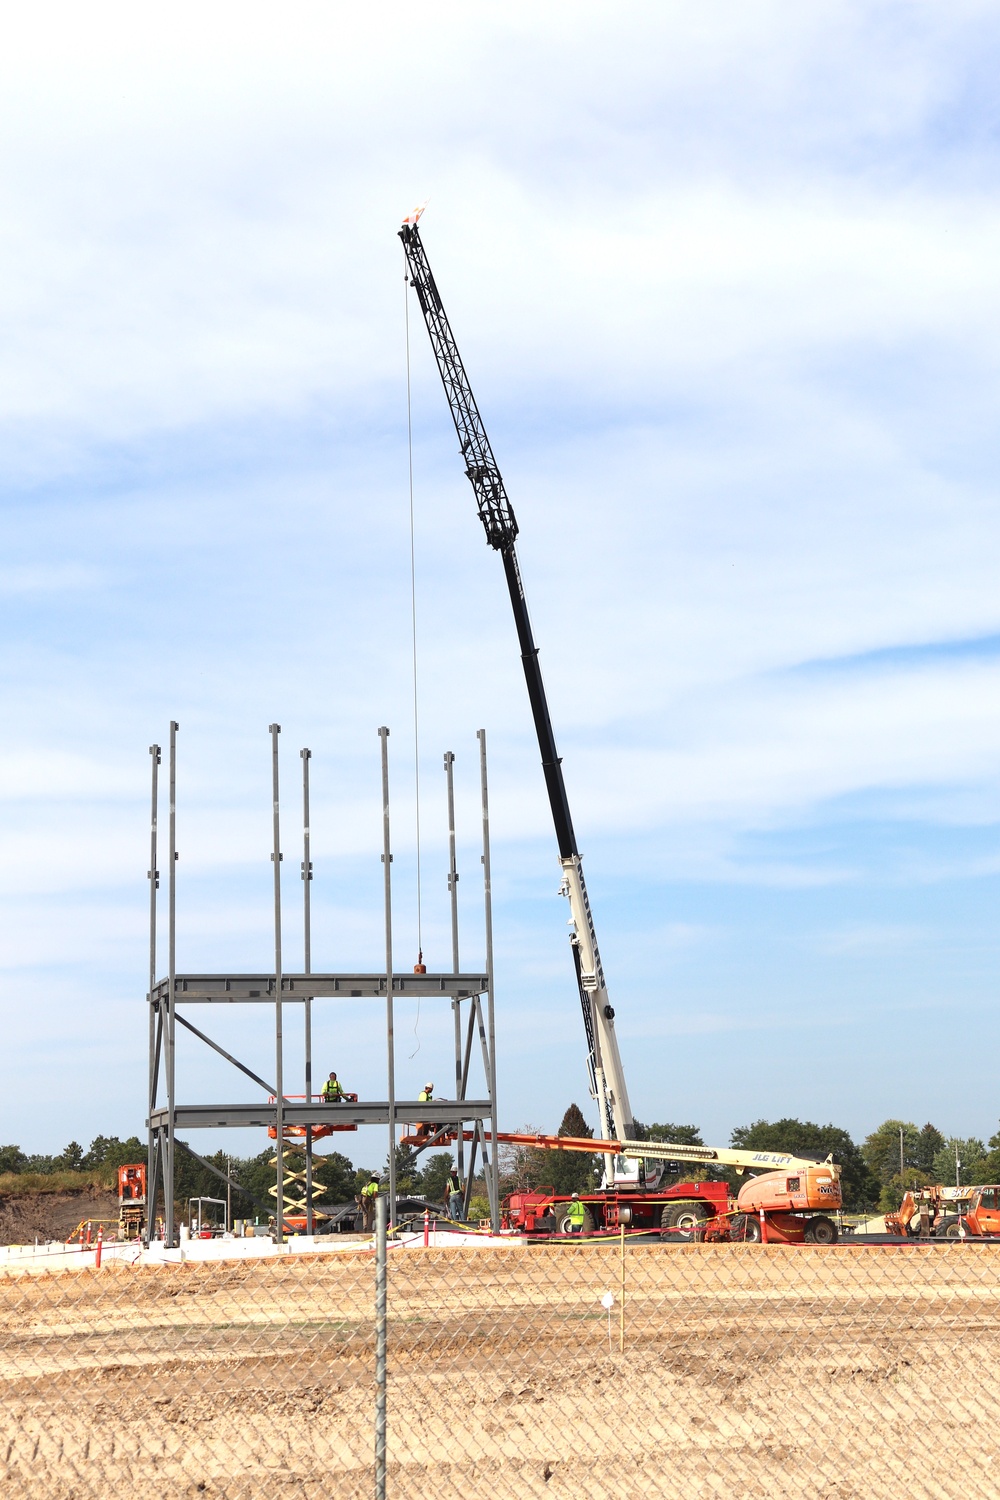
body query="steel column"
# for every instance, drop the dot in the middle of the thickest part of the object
(389, 1032)
(154, 1017)
(491, 1081)
(168, 1165)
(456, 1004)
(307, 968)
(381, 1289)
(279, 1078)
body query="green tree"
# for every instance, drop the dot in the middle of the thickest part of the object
(43, 1164)
(680, 1135)
(930, 1142)
(109, 1152)
(803, 1137)
(881, 1149)
(573, 1171)
(407, 1170)
(334, 1173)
(71, 1157)
(971, 1156)
(12, 1159)
(435, 1175)
(988, 1169)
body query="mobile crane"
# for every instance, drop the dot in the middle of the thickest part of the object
(635, 1169)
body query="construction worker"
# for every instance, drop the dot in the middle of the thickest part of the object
(455, 1196)
(335, 1093)
(424, 1097)
(368, 1195)
(576, 1213)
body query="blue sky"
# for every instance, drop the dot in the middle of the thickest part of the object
(725, 283)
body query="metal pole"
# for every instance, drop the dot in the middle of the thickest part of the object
(621, 1324)
(449, 761)
(390, 1038)
(279, 1080)
(381, 1281)
(456, 1004)
(154, 1058)
(307, 949)
(168, 1165)
(901, 1167)
(491, 1020)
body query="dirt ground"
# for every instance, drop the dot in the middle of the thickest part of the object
(757, 1371)
(51, 1216)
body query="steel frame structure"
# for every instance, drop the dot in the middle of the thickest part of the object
(169, 996)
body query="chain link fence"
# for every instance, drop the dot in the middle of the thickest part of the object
(581, 1369)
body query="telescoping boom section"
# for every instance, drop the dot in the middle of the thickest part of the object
(607, 1079)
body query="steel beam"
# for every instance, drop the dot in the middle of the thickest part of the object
(239, 989)
(371, 1112)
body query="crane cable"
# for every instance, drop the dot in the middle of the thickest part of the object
(413, 636)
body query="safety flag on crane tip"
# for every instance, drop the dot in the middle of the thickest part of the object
(413, 217)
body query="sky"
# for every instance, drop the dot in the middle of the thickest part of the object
(724, 280)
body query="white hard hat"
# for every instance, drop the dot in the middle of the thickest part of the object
(576, 1195)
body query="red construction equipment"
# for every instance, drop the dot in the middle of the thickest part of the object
(132, 1201)
(948, 1213)
(688, 1209)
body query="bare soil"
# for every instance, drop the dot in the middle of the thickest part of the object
(27, 1217)
(750, 1371)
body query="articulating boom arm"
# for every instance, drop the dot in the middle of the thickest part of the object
(497, 516)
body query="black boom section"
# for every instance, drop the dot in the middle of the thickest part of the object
(551, 762)
(495, 510)
(497, 517)
(496, 514)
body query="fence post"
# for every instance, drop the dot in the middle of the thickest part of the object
(621, 1327)
(381, 1220)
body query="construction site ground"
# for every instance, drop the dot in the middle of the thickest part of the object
(761, 1371)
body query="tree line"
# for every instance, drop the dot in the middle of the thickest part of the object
(875, 1173)
(897, 1155)
(248, 1179)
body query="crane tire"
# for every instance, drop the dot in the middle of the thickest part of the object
(565, 1223)
(683, 1222)
(958, 1229)
(820, 1231)
(946, 1227)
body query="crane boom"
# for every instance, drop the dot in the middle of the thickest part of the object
(607, 1078)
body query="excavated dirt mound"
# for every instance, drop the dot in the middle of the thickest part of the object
(28, 1217)
(751, 1371)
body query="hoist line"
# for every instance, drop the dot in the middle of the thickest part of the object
(413, 636)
